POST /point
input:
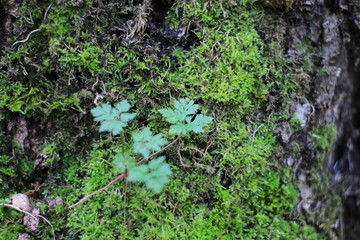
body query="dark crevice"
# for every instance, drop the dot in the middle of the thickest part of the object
(333, 29)
(4, 22)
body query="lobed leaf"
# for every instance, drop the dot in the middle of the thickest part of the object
(137, 174)
(155, 175)
(113, 119)
(122, 162)
(145, 142)
(199, 122)
(182, 115)
(158, 175)
(104, 113)
(171, 116)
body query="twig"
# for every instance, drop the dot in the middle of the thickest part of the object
(156, 153)
(18, 209)
(180, 158)
(101, 189)
(123, 175)
(36, 30)
(27, 38)
(46, 12)
(126, 184)
(30, 214)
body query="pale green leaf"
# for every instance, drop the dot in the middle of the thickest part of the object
(104, 112)
(125, 117)
(122, 162)
(145, 142)
(158, 175)
(138, 173)
(170, 115)
(186, 106)
(179, 128)
(156, 163)
(181, 116)
(123, 106)
(113, 126)
(113, 119)
(199, 122)
(155, 175)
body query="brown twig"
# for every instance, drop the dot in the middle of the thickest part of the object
(126, 184)
(123, 175)
(30, 214)
(180, 158)
(156, 153)
(100, 190)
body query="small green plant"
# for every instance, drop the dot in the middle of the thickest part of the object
(156, 173)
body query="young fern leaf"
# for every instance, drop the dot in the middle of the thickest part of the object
(113, 119)
(182, 115)
(122, 162)
(145, 142)
(155, 175)
(159, 174)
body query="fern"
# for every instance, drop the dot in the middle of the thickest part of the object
(183, 117)
(156, 173)
(145, 142)
(113, 119)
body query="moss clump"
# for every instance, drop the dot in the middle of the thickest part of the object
(225, 185)
(278, 4)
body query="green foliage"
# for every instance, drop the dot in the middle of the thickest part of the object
(145, 142)
(82, 54)
(323, 136)
(155, 174)
(281, 4)
(113, 119)
(182, 116)
(123, 161)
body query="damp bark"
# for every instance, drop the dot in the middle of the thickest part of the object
(333, 28)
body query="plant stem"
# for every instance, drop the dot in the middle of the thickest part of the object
(126, 184)
(156, 153)
(101, 189)
(35, 216)
(122, 144)
(124, 174)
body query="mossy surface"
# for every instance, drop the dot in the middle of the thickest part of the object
(229, 183)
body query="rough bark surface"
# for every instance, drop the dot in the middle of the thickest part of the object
(334, 29)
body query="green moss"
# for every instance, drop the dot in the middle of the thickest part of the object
(226, 185)
(278, 4)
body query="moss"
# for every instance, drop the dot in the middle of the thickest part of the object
(227, 185)
(278, 4)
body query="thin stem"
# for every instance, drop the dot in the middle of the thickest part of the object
(125, 189)
(124, 174)
(156, 153)
(30, 214)
(122, 144)
(27, 38)
(46, 12)
(100, 190)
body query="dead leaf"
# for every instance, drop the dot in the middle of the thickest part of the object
(21, 201)
(24, 236)
(54, 202)
(32, 222)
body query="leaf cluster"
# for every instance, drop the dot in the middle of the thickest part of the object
(184, 118)
(113, 119)
(156, 173)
